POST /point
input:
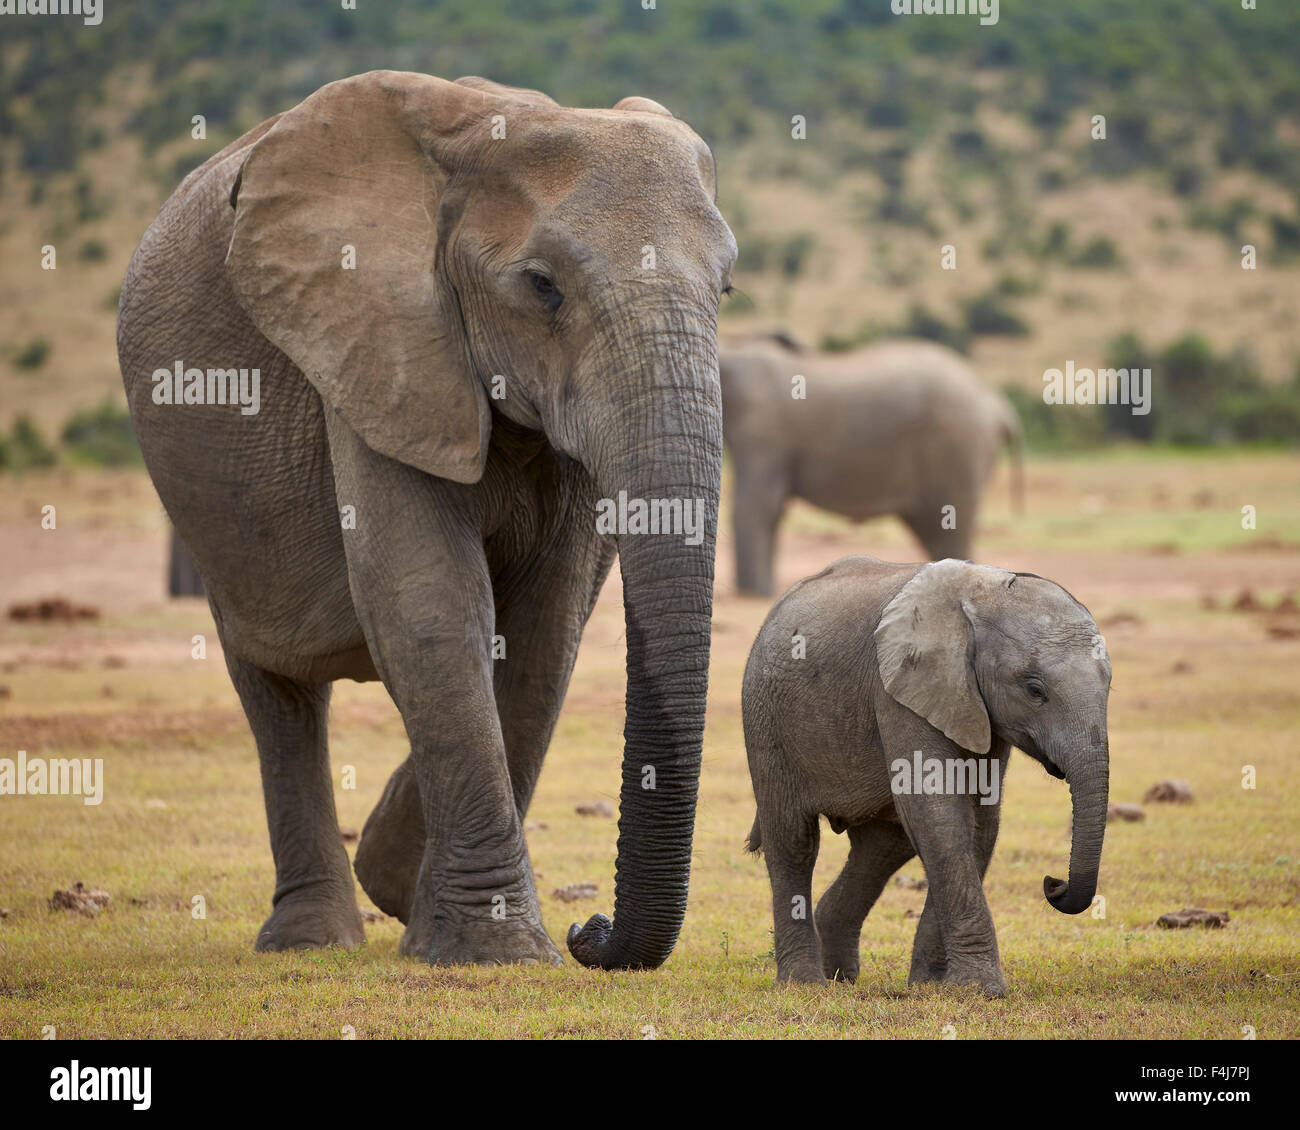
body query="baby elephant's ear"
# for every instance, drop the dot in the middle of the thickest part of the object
(335, 258)
(924, 649)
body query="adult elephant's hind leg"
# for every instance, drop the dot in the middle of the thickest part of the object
(877, 849)
(314, 902)
(392, 845)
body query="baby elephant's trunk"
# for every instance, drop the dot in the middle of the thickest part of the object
(754, 840)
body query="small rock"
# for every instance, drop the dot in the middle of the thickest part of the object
(595, 808)
(1193, 916)
(571, 892)
(908, 883)
(1125, 812)
(1174, 791)
(349, 835)
(83, 901)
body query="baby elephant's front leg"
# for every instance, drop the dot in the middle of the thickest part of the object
(955, 938)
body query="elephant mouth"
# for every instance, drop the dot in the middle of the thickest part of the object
(1052, 768)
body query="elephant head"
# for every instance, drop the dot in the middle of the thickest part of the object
(432, 254)
(982, 653)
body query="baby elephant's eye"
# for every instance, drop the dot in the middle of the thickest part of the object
(545, 289)
(1036, 690)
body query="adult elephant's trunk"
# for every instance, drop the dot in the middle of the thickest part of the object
(668, 455)
(1089, 779)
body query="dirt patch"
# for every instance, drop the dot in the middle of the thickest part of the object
(52, 610)
(81, 899)
(1193, 916)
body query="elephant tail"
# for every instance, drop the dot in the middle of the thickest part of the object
(1013, 436)
(754, 841)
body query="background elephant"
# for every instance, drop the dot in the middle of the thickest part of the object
(959, 662)
(903, 428)
(441, 287)
(182, 575)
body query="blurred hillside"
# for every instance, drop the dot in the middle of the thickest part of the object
(920, 132)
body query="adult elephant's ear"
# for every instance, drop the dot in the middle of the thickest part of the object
(925, 649)
(335, 257)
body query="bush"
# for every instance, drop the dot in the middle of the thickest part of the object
(103, 436)
(93, 251)
(986, 314)
(794, 254)
(27, 447)
(33, 354)
(921, 323)
(1100, 253)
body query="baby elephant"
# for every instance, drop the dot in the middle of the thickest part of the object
(887, 698)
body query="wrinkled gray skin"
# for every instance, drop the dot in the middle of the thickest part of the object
(904, 428)
(471, 515)
(953, 659)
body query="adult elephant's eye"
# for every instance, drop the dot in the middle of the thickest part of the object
(545, 289)
(1036, 690)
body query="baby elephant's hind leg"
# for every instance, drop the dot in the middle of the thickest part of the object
(790, 849)
(877, 849)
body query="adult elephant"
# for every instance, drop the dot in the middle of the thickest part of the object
(464, 344)
(900, 427)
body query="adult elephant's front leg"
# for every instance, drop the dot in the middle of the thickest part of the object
(541, 611)
(423, 595)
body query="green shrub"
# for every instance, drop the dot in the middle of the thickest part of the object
(27, 447)
(1100, 253)
(33, 354)
(987, 314)
(93, 251)
(103, 436)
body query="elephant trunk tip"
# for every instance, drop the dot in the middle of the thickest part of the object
(590, 943)
(1067, 898)
(596, 947)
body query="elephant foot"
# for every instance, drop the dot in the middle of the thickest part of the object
(990, 982)
(310, 918)
(840, 958)
(800, 973)
(387, 862)
(511, 941)
(840, 963)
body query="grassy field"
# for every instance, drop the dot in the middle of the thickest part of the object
(1152, 542)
